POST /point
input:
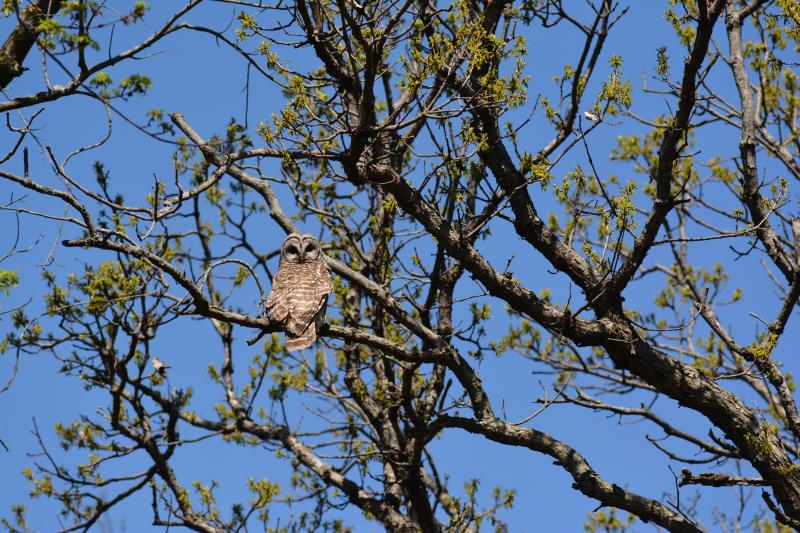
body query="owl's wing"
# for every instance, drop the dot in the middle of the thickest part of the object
(309, 297)
(279, 297)
(325, 276)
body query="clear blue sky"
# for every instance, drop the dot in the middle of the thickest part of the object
(204, 81)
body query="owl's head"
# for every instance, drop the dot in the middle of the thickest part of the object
(300, 248)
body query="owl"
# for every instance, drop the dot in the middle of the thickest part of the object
(300, 289)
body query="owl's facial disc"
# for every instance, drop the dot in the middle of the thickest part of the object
(310, 252)
(310, 248)
(292, 249)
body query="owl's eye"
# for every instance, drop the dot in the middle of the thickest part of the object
(292, 250)
(311, 247)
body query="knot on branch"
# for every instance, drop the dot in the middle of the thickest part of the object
(10, 68)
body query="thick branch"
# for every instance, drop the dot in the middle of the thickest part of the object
(667, 155)
(747, 149)
(587, 481)
(22, 38)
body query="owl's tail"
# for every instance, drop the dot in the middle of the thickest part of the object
(304, 340)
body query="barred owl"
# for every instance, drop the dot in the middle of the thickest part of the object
(300, 288)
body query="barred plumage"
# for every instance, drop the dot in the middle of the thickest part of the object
(300, 289)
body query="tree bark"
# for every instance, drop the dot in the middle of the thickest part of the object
(22, 38)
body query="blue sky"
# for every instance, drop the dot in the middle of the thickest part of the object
(205, 81)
